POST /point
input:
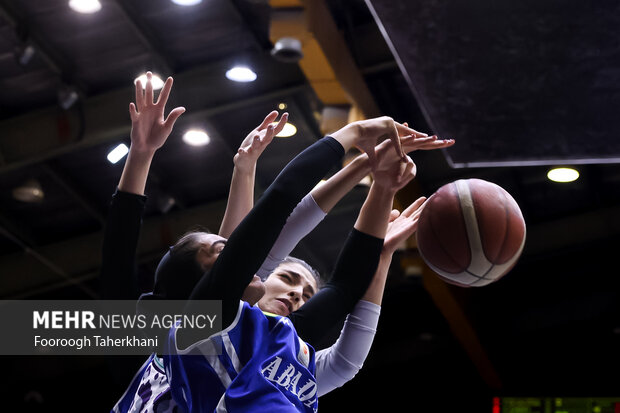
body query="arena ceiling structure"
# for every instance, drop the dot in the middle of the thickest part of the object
(521, 87)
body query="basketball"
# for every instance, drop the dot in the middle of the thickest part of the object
(471, 232)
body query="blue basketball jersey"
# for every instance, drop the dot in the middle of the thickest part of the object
(262, 365)
(149, 391)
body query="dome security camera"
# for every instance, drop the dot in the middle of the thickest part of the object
(287, 49)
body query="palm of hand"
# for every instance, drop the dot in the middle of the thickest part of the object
(398, 231)
(258, 139)
(148, 130)
(404, 226)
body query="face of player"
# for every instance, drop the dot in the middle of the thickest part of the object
(287, 289)
(211, 245)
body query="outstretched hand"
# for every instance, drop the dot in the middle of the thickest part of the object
(257, 140)
(395, 175)
(402, 225)
(414, 143)
(372, 129)
(149, 129)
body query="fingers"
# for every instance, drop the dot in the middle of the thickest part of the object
(404, 129)
(414, 207)
(139, 95)
(271, 132)
(148, 93)
(408, 173)
(133, 112)
(255, 143)
(412, 143)
(281, 123)
(165, 92)
(395, 213)
(271, 117)
(372, 157)
(395, 138)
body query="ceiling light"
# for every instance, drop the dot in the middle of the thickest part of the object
(85, 6)
(241, 74)
(282, 106)
(195, 137)
(563, 174)
(30, 191)
(288, 130)
(155, 81)
(118, 153)
(186, 2)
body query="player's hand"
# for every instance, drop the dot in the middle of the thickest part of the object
(412, 143)
(372, 129)
(402, 225)
(393, 176)
(257, 140)
(149, 129)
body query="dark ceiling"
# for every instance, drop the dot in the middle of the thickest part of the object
(520, 85)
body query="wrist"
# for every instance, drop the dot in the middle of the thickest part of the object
(141, 152)
(347, 135)
(383, 191)
(245, 169)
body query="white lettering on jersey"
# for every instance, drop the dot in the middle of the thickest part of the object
(288, 378)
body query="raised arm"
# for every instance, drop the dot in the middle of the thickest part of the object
(341, 362)
(250, 243)
(241, 194)
(359, 257)
(149, 131)
(313, 208)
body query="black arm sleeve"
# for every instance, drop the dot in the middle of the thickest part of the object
(355, 267)
(250, 243)
(120, 240)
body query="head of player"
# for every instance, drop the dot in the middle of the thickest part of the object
(286, 289)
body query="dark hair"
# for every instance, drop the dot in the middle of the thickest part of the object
(315, 273)
(188, 244)
(178, 272)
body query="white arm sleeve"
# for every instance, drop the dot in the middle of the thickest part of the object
(304, 218)
(339, 363)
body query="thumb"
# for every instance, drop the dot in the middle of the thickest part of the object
(173, 116)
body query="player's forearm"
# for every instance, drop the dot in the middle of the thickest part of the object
(136, 171)
(375, 212)
(336, 187)
(240, 200)
(374, 294)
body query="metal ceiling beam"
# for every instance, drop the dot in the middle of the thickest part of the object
(327, 61)
(323, 27)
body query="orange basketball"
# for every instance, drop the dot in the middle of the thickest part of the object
(471, 232)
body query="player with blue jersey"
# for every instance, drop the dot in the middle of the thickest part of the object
(146, 388)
